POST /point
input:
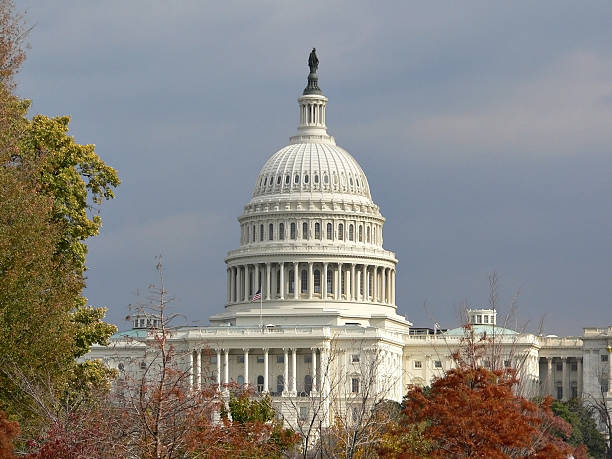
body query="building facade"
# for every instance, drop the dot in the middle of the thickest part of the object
(324, 327)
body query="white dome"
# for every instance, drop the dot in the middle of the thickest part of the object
(312, 167)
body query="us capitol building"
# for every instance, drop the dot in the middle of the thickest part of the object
(326, 329)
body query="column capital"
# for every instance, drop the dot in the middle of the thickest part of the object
(246, 350)
(265, 349)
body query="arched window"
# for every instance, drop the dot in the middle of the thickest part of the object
(351, 180)
(265, 181)
(374, 236)
(278, 180)
(351, 233)
(306, 178)
(261, 233)
(253, 239)
(340, 232)
(360, 233)
(329, 281)
(304, 230)
(271, 232)
(330, 229)
(316, 178)
(291, 281)
(317, 281)
(247, 235)
(260, 383)
(307, 384)
(325, 179)
(368, 233)
(280, 383)
(304, 287)
(281, 231)
(287, 179)
(292, 231)
(317, 231)
(297, 178)
(240, 380)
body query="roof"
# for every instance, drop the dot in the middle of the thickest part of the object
(133, 333)
(481, 329)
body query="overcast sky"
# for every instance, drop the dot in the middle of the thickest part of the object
(484, 128)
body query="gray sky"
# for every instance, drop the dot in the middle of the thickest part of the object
(485, 130)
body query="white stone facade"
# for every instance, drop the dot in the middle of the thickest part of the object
(312, 241)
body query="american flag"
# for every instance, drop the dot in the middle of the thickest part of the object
(257, 296)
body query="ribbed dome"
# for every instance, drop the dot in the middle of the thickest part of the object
(312, 167)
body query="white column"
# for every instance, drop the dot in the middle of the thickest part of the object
(347, 284)
(229, 285)
(296, 287)
(353, 282)
(549, 375)
(219, 368)
(314, 370)
(256, 284)
(191, 370)
(564, 384)
(383, 284)
(282, 281)
(226, 369)
(338, 281)
(198, 369)
(232, 285)
(579, 375)
(358, 284)
(310, 280)
(364, 279)
(265, 375)
(268, 269)
(246, 283)
(375, 282)
(393, 286)
(246, 367)
(293, 371)
(286, 374)
(324, 286)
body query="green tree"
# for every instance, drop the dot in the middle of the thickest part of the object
(584, 429)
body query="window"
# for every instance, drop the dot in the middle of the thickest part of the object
(360, 233)
(486, 319)
(281, 231)
(574, 366)
(604, 357)
(296, 179)
(340, 231)
(143, 365)
(329, 281)
(121, 366)
(604, 386)
(559, 392)
(291, 281)
(280, 358)
(329, 231)
(240, 380)
(325, 179)
(304, 230)
(292, 231)
(260, 383)
(559, 367)
(253, 239)
(287, 180)
(317, 231)
(355, 358)
(368, 233)
(213, 359)
(418, 364)
(354, 414)
(271, 232)
(355, 385)
(260, 359)
(307, 384)
(308, 358)
(487, 364)
(306, 178)
(317, 281)
(574, 390)
(261, 233)
(241, 359)
(280, 384)
(304, 286)
(351, 233)
(303, 413)
(438, 364)
(316, 179)
(507, 363)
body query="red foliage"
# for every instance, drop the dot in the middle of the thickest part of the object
(8, 431)
(472, 412)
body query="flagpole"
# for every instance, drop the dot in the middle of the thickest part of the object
(261, 311)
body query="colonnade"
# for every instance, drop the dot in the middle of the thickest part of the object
(549, 382)
(318, 356)
(308, 280)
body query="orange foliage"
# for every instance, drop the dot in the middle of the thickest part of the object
(8, 431)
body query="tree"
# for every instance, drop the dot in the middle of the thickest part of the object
(584, 428)
(8, 431)
(600, 405)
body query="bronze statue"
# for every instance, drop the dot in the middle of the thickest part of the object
(313, 61)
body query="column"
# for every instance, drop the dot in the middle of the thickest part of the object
(347, 284)
(310, 280)
(296, 287)
(364, 279)
(389, 286)
(324, 286)
(383, 284)
(229, 287)
(564, 384)
(338, 281)
(358, 284)
(282, 281)
(256, 284)
(246, 367)
(286, 374)
(246, 283)
(549, 378)
(226, 369)
(219, 368)
(198, 366)
(353, 282)
(393, 286)
(265, 375)
(293, 371)
(232, 285)
(375, 282)
(268, 269)
(314, 370)
(191, 370)
(579, 375)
